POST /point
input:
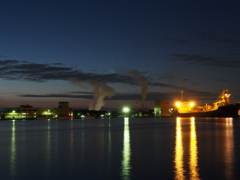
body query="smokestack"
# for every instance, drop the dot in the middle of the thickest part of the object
(136, 105)
(181, 94)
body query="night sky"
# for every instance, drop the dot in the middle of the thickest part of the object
(103, 54)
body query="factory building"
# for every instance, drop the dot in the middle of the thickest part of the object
(162, 108)
(29, 112)
(64, 112)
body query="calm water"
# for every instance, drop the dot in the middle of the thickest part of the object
(167, 148)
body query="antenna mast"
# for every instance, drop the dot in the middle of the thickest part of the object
(181, 94)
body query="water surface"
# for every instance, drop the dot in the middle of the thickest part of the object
(144, 148)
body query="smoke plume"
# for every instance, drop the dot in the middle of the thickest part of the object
(101, 90)
(139, 79)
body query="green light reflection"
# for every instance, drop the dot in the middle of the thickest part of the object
(48, 147)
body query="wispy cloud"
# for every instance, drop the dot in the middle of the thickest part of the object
(83, 95)
(159, 40)
(204, 60)
(2, 56)
(66, 95)
(23, 70)
(176, 41)
(152, 96)
(218, 39)
(37, 72)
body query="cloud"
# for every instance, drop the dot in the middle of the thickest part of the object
(2, 56)
(152, 96)
(37, 72)
(176, 41)
(14, 69)
(8, 62)
(211, 61)
(89, 95)
(214, 38)
(153, 41)
(23, 70)
(163, 85)
(66, 95)
(82, 95)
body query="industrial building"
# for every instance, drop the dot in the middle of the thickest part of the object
(162, 108)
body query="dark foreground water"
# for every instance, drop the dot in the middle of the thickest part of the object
(164, 148)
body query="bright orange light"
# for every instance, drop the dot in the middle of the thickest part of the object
(192, 104)
(178, 104)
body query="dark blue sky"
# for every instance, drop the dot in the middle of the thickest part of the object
(59, 50)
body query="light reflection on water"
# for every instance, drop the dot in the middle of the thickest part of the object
(48, 147)
(180, 170)
(175, 148)
(82, 145)
(13, 152)
(109, 147)
(229, 148)
(193, 159)
(71, 151)
(126, 152)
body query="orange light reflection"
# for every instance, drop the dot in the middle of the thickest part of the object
(193, 159)
(179, 170)
(229, 148)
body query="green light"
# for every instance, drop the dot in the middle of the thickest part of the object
(125, 109)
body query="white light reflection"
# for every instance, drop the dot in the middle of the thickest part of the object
(71, 150)
(126, 153)
(13, 152)
(193, 160)
(109, 157)
(178, 161)
(82, 154)
(48, 147)
(229, 149)
(109, 136)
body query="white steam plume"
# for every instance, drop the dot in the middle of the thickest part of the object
(139, 79)
(101, 90)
